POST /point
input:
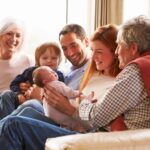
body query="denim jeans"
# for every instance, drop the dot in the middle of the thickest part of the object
(23, 133)
(33, 113)
(7, 104)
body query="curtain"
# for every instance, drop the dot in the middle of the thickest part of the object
(108, 11)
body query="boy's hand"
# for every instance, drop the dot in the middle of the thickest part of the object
(24, 86)
(34, 92)
(21, 98)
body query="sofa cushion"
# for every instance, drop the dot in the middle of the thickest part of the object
(121, 140)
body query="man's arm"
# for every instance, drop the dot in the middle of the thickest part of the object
(58, 101)
(124, 95)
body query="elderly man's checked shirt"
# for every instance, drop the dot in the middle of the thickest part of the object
(128, 96)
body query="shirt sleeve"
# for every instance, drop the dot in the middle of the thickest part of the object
(124, 95)
(25, 76)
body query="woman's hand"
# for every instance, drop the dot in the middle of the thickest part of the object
(58, 101)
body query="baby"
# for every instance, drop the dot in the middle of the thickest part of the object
(44, 76)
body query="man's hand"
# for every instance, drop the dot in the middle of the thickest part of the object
(91, 98)
(58, 101)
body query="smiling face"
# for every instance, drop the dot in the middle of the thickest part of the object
(10, 42)
(126, 53)
(123, 54)
(74, 49)
(103, 43)
(102, 56)
(49, 58)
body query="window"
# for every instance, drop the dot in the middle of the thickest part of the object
(45, 18)
(133, 8)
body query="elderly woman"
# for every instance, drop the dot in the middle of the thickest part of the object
(12, 61)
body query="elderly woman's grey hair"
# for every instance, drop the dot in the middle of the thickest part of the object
(8, 24)
(136, 30)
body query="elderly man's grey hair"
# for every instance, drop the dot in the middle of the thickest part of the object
(136, 30)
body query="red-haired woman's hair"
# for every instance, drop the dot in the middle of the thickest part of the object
(107, 35)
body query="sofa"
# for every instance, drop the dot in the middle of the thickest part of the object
(119, 140)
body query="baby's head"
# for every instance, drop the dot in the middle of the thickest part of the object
(43, 75)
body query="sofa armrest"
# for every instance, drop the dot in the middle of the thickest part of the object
(121, 140)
